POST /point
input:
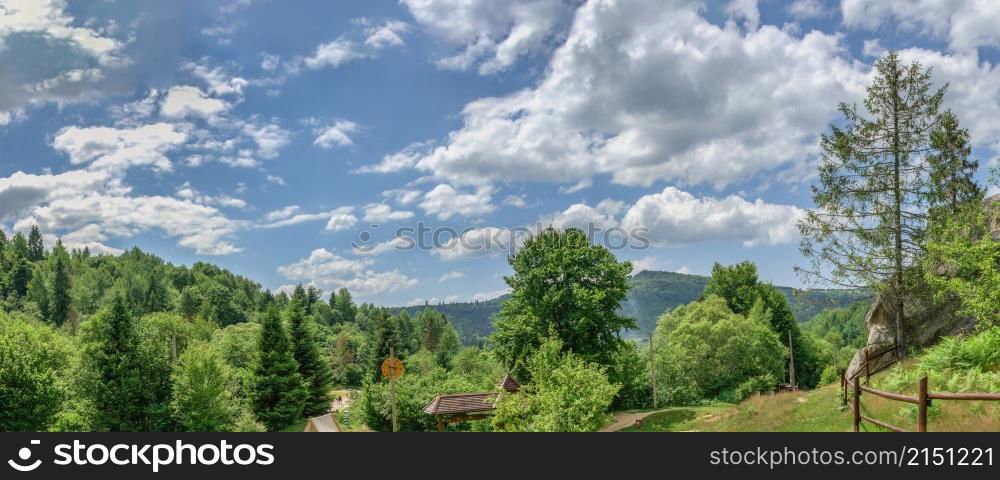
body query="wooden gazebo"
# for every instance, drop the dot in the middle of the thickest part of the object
(463, 407)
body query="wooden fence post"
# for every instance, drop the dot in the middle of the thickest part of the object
(843, 387)
(868, 368)
(857, 405)
(922, 406)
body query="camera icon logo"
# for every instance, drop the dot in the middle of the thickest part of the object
(25, 454)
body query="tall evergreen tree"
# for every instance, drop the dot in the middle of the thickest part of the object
(19, 245)
(432, 328)
(18, 277)
(38, 292)
(313, 367)
(872, 198)
(36, 247)
(187, 304)
(202, 400)
(3, 250)
(383, 336)
(112, 369)
(299, 295)
(61, 288)
(280, 393)
(409, 332)
(157, 297)
(313, 295)
(343, 305)
(951, 168)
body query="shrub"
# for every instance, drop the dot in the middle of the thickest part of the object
(707, 350)
(566, 394)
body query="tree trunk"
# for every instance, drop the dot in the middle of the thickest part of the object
(898, 197)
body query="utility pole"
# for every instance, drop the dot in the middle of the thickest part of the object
(392, 389)
(652, 368)
(791, 362)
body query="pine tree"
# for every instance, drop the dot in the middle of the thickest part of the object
(112, 367)
(156, 298)
(432, 324)
(951, 169)
(383, 336)
(313, 368)
(872, 198)
(18, 277)
(61, 288)
(3, 249)
(280, 393)
(19, 246)
(201, 400)
(38, 292)
(299, 295)
(36, 247)
(188, 304)
(343, 305)
(313, 294)
(409, 333)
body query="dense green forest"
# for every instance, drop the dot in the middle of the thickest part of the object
(132, 343)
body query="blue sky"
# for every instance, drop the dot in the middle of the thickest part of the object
(266, 136)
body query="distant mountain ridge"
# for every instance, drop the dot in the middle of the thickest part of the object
(652, 293)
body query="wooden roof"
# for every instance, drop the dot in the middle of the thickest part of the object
(325, 423)
(509, 384)
(462, 403)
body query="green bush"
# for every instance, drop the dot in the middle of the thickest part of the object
(33, 359)
(831, 374)
(752, 386)
(413, 392)
(566, 394)
(705, 351)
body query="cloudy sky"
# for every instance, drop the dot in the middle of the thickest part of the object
(266, 136)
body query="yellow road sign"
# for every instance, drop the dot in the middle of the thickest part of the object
(392, 368)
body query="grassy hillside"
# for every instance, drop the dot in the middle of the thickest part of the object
(652, 293)
(954, 365)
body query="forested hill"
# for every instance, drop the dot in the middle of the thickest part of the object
(652, 293)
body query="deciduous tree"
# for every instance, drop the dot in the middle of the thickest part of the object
(563, 286)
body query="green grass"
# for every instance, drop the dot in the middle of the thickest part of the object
(299, 426)
(813, 411)
(970, 364)
(819, 410)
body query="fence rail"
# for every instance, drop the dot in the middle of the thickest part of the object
(922, 400)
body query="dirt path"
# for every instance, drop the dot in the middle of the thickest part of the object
(341, 400)
(627, 419)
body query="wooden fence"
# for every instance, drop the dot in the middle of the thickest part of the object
(922, 400)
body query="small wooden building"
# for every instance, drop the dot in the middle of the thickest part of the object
(463, 407)
(325, 423)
